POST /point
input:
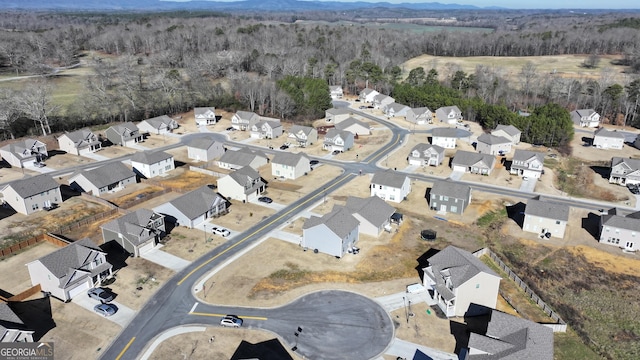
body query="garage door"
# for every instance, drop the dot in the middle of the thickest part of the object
(459, 168)
(78, 290)
(147, 247)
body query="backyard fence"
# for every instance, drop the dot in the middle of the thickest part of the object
(560, 325)
(202, 169)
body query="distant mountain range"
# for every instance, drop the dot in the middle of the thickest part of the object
(259, 5)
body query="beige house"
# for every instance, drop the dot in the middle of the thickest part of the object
(508, 131)
(303, 135)
(79, 142)
(158, 125)
(334, 115)
(420, 116)
(546, 218)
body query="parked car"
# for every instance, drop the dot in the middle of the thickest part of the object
(633, 188)
(105, 309)
(230, 128)
(231, 321)
(100, 294)
(336, 152)
(362, 107)
(284, 147)
(221, 231)
(314, 162)
(265, 199)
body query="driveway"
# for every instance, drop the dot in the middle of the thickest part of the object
(122, 317)
(529, 185)
(274, 205)
(456, 175)
(165, 259)
(95, 156)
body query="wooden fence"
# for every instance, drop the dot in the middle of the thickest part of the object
(26, 294)
(560, 325)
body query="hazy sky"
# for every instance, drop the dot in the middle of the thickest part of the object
(533, 4)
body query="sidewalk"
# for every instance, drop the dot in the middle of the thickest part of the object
(165, 259)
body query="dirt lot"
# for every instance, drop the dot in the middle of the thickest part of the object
(14, 264)
(288, 191)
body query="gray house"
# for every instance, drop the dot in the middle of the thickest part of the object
(243, 120)
(426, 155)
(527, 163)
(236, 159)
(449, 196)
(137, 232)
(508, 131)
(125, 134)
(12, 328)
(605, 139)
(194, 207)
(624, 171)
(152, 163)
(449, 114)
(336, 140)
(619, 230)
(585, 118)
(493, 145)
(103, 179)
(373, 213)
(333, 233)
(420, 116)
(380, 101)
(31, 194)
(395, 109)
(25, 153)
(474, 163)
(79, 142)
(546, 218)
(158, 125)
(205, 149)
(303, 135)
(71, 270)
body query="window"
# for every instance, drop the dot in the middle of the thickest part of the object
(446, 198)
(617, 241)
(557, 222)
(454, 209)
(34, 207)
(477, 286)
(392, 197)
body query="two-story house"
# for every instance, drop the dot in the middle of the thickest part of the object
(31, 194)
(303, 135)
(205, 149)
(474, 163)
(390, 185)
(242, 120)
(527, 163)
(380, 101)
(493, 145)
(335, 91)
(426, 155)
(150, 164)
(137, 232)
(71, 270)
(395, 109)
(125, 134)
(244, 184)
(205, 115)
(103, 179)
(236, 159)
(448, 196)
(619, 230)
(158, 125)
(546, 218)
(25, 153)
(79, 142)
(336, 140)
(420, 116)
(367, 95)
(333, 233)
(266, 128)
(449, 114)
(445, 137)
(508, 131)
(194, 207)
(624, 171)
(585, 118)
(289, 165)
(605, 139)
(459, 279)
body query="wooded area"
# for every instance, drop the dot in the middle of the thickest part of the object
(146, 65)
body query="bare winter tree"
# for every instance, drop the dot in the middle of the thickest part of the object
(35, 102)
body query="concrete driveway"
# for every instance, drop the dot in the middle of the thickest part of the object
(122, 317)
(456, 175)
(274, 205)
(165, 259)
(528, 185)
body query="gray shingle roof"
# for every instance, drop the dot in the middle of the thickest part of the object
(492, 139)
(396, 107)
(122, 128)
(448, 109)
(602, 132)
(338, 111)
(420, 111)
(335, 87)
(451, 189)
(634, 164)
(424, 147)
(389, 178)
(245, 115)
(203, 143)
(80, 136)
(468, 158)
(629, 222)
(106, 174)
(374, 209)
(289, 159)
(18, 148)
(339, 221)
(150, 157)
(158, 121)
(459, 264)
(295, 129)
(241, 157)
(445, 132)
(7, 315)
(333, 132)
(134, 223)
(509, 129)
(350, 121)
(524, 155)
(547, 209)
(73, 256)
(197, 202)
(203, 110)
(33, 185)
(249, 178)
(585, 112)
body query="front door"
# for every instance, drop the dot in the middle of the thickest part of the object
(443, 208)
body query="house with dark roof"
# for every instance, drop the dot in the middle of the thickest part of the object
(527, 163)
(244, 184)
(390, 185)
(507, 337)
(474, 163)
(605, 139)
(125, 134)
(508, 131)
(71, 270)
(493, 145)
(266, 128)
(585, 118)
(420, 116)
(103, 179)
(150, 164)
(290, 165)
(31, 194)
(619, 230)
(205, 115)
(449, 196)
(25, 153)
(426, 155)
(546, 218)
(458, 279)
(354, 126)
(373, 213)
(242, 120)
(335, 233)
(336, 140)
(449, 114)
(158, 125)
(335, 115)
(12, 328)
(236, 159)
(137, 232)
(194, 207)
(624, 171)
(79, 142)
(205, 149)
(367, 95)
(335, 91)
(303, 135)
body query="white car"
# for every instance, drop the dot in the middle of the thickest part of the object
(221, 231)
(231, 321)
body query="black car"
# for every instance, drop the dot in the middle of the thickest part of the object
(336, 152)
(284, 147)
(230, 128)
(265, 199)
(314, 162)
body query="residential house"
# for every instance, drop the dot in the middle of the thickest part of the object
(449, 196)
(395, 109)
(25, 153)
(103, 179)
(335, 92)
(449, 114)
(125, 134)
(334, 233)
(205, 115)
(420, 116)
(373, 213)
(527, 163)
(137, 232)
(79, 142)
(493, 145)
(336, 140)
(585, 118)
(244, 184)
(152, 163)
(204, 149)
(354, 126)
(290, 165)
(546, 218)
(158, 125)
(459, 279)
(236, 159)
(334, 115)
(12, 328)
(380, 101)
(508, 337)
(447, 137)
(242, 120)
(474, 163)
(605, 139)
(619, 230)
(71, 270)
(266, 128)
(367, 95)
(390, 185)
(303, 135)
(31, 194)
(624, 171)
(194, 207)
(426, 155)
(508, 131)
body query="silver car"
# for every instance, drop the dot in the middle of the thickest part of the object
(231, 321)
(100, 294)
(105, 309)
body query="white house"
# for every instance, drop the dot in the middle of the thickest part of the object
(158, 125)
(244, 184)
(137, 232)
(493, 145)
(236, 159)
(205, 149)
(380, 101)
(25, 153)
(449, 114)
(474, 163)
(395, 109)
(624, 171)
(585, 118)
(79, 142)
(290, 165)
(420, 116)
(336, 140)
(367, 95)
(266, 128)
(333, 233)
(152, 163)
(546, 218)
(508, 131)
(335, 92)
(102, 179)
(527, 163)
(426, 155)
(242, 120)
(354, 126)
(205, 115)
(605, 139)
(390, 185)
(373, 213)
(444, 137)
(303, 135)
(194, 207)
(31, 194)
